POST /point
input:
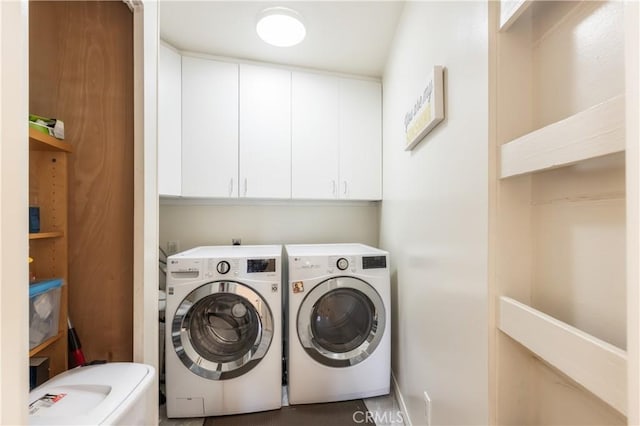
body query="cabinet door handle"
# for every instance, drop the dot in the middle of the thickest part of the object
(345, 188)
(230, 187)
(245, 187)
(333, 187)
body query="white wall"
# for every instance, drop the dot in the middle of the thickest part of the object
(434, 214)
(14, 164)
(269, 223)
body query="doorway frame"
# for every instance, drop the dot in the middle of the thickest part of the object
(14, 165)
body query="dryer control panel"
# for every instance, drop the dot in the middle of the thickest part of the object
(374, 262)
(339, 264)
(344, 264)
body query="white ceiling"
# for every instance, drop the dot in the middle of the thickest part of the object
(351, 37)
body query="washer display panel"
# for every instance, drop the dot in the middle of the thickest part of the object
(222, 329)
(341, 321)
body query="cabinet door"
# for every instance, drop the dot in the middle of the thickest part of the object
(265, 132)
(169, 122)
(209, 128)
(314, 136)
(360, 140)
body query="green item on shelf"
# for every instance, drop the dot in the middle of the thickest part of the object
(50, 126)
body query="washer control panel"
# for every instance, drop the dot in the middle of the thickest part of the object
(184, 268)
(236, 267)
(222, 267)
(261, 265)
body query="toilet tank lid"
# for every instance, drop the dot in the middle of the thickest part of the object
(90, 394)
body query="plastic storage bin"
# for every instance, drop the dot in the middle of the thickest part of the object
(44, 310)
(119, 393)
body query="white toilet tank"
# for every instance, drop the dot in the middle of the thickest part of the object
(105, 394)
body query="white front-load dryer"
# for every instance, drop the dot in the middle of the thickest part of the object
(339, 344)
(223, 331)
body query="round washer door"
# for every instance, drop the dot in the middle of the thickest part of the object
(341, 321)
(221, 330)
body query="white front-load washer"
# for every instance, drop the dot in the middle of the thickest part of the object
(339, 344)
(223, 331)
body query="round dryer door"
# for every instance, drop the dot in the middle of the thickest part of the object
(221, 330)
(341, 321)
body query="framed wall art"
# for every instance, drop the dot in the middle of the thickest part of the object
(427, 111)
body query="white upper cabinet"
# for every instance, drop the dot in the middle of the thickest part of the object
(265, 132)
(315, 132)
(253, 131)
(209, 128)
(169, 122)
(336, 138)
(360, 140)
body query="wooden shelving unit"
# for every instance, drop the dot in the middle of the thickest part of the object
(592, 133)
(43, 235)
(96, 101)
(48, 182)
(39, 141)
(593, 363)
(44, 345)
(559, 352)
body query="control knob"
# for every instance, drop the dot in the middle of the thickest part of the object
(342, 263)
(223, 267)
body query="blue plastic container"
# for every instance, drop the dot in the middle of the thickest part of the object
(44, 310)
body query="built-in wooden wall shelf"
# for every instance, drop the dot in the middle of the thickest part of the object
(598, 366)
(510, 11)
(48, 189)
(44, 235)
(557, 107)
(588, 134)
(44, 345)
(39, 141)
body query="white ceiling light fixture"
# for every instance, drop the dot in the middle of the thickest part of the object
(280, 27)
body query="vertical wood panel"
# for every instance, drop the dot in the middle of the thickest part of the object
(81, 61)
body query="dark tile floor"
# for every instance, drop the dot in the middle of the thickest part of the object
(384, 409)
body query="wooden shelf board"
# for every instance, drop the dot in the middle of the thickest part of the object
(43, 235)
(596, 365)
(510, 11)
(39, 141)
(592, 133)
(42, 346)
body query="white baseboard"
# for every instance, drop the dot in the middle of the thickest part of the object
(400, 399)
